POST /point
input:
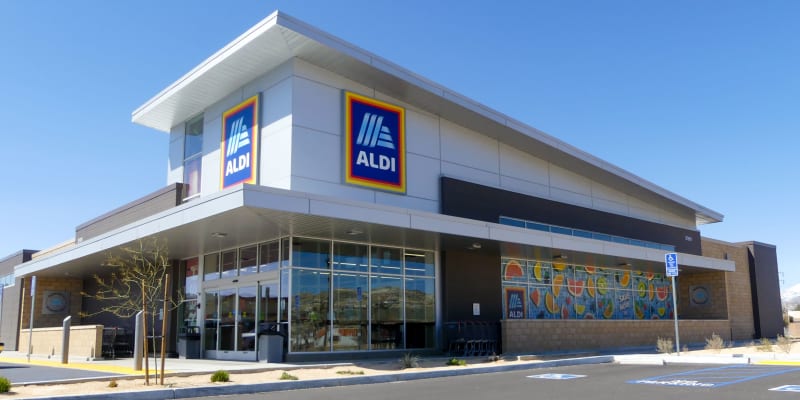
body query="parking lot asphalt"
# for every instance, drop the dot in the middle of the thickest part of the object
(45, 370)
(594, 381)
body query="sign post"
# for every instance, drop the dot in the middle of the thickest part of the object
(30, 324)
(671, 261)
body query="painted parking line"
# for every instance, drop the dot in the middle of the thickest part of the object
(714, 377)
(787, 388)
(556, 376)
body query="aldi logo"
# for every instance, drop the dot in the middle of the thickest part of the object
(239, 138)
(374, 144)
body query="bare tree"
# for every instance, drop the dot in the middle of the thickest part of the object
(136, 283)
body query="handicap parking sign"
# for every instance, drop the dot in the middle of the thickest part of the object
(671, 260)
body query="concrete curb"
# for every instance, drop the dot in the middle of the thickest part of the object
(225, 389)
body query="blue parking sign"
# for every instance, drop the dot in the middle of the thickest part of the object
(671, 260)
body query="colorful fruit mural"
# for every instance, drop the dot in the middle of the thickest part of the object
(564, 291)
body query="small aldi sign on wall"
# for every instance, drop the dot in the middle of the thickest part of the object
(374, 143)
(515, 303)
(239, 149)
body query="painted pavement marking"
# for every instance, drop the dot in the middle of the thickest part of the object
(714, 377)
(787, 388)
(556, 376)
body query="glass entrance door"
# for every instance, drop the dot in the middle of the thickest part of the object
(234, 317)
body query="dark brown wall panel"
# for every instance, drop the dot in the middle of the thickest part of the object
(470, 200)
(471, 277)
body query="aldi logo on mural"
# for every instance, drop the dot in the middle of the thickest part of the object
(239, 138)
(374, 143)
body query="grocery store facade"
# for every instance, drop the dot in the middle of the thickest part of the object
(361, 209)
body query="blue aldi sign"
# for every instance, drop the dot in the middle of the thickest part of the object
(239, 143)
(375, 141)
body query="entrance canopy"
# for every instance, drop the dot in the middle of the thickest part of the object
(249, 214)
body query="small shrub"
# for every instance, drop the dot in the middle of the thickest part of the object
(5, 384)
(715, 343)
(784, 343)
(409, 361)
(764, 345)
(113, 383)
(348, 372)
(220, 376)
(664, 345)
(285, 376)
(455, 361)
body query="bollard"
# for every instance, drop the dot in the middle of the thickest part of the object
(66, 326)
(137, 342)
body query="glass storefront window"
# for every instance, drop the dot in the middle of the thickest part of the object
(386, 260)
(229, 264)
(211, 267)
(269, 256)
(192, 292)
(311, 253)
(284, 306)
(193, 156)
(211, 320)
(350, 257)
(386, 306)
(420, 313)
(227, 319)
(310, 306)
(268, 306)
(350, 299)
(248, 260)
(419, 263)
(246, 319)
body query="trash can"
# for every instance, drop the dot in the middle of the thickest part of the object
(189, 342)
(270, 343)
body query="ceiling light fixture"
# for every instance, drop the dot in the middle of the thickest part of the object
(218, 235)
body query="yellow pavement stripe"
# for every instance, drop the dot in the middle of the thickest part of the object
(116, 369)
(777, 362)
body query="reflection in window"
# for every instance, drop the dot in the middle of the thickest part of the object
(211, 267)
(386, 305)
(311, 253)
(211, 321)
(193, 156)
(387, 260)
(419, 263)
(191, 286)
(269, 256)
(310, 321)
(229, 264)
(246, 324)
(350, 257)
(248, 262)
(227, 319)
(350, 299)
(420, 313)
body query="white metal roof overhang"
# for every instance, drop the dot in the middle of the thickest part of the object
(279, 38)
(249, 214)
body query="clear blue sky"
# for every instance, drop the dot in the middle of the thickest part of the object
(700, 97)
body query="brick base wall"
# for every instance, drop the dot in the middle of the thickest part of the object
(537, 336)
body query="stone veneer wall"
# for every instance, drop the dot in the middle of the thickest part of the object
(537, 336)
(84, 341)
(715, 283)
(737, 283)
(69, 285)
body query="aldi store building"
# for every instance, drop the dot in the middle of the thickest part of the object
(363, 209)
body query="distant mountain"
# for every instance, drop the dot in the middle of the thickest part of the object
(791, 296)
